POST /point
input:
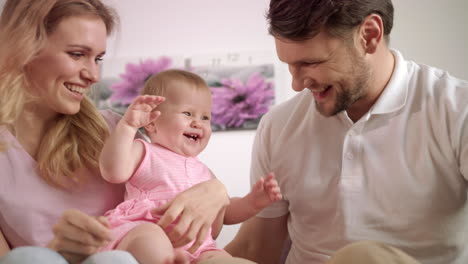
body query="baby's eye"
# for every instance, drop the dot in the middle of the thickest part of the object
(187, 113)
(205, 118)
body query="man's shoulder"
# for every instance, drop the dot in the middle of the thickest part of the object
(289, 119)
(438, 96)
(437, 85)
(433, 77)
(426, 79)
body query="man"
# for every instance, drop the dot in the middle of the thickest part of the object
(372, 148)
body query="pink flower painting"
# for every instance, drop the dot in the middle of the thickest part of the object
(134, 78)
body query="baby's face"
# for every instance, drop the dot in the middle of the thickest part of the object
(184, 125)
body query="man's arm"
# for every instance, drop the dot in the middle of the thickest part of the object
(260, 239)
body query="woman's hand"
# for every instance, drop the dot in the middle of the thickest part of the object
(78, 235)
(195, 209)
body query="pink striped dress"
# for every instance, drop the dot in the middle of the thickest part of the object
(161, 175)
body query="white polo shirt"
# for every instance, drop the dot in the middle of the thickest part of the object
(398, 175)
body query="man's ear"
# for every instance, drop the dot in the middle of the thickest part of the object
(371, 33)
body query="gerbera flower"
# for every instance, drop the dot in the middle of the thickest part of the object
(235, 102)
(134, 78)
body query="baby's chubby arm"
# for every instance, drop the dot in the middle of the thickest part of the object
(265, 192)
(121, 154)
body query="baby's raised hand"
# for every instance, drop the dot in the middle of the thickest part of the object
(266, 191)
(142, 110)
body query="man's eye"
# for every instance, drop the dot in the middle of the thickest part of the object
(187, 113)
(312, 64)
(98, 60)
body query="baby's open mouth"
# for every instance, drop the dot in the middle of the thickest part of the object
(193, 137)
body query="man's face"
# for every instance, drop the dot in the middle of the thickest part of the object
(331, 68)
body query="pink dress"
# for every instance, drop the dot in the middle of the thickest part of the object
(161, 175)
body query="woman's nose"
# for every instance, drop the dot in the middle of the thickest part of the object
(91, 73)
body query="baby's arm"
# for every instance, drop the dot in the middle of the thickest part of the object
(121, 154)
(264, 192)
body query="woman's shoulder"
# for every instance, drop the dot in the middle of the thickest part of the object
(111, 117)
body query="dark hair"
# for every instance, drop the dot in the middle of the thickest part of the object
(303, 19)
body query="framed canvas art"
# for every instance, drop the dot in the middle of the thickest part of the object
(242, 86)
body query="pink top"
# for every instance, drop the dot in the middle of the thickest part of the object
(161, 175)
(29, 207)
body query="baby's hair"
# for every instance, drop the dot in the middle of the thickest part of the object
(158, 83)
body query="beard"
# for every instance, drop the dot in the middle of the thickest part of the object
(354, 87)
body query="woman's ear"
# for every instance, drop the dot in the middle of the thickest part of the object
(371, 33)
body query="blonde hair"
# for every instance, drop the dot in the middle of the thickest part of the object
(74, 141)
(158, 83)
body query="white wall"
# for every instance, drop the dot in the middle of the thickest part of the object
(433, 32)
(428, 31)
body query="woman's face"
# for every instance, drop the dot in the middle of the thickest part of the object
(67, 66)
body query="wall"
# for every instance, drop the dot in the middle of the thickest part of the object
(434, 33)
(431, 32)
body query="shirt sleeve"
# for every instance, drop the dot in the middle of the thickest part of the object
(461, 139)
(261, 166)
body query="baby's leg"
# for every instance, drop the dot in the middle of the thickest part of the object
(148, 244)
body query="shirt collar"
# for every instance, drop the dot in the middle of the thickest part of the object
(395, 93)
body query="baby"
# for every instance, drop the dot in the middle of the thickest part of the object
(175, 112)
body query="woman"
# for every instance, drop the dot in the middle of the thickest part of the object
(51, 136)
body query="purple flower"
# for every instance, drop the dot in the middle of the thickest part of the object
(236, 102)
(134, 78)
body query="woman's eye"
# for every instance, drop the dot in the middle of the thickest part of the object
(187, 113)
(76, 55)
